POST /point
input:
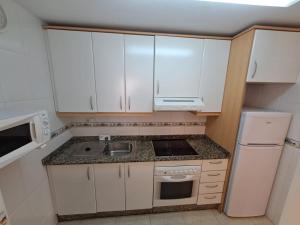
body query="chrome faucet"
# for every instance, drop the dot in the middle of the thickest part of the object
(106, 145)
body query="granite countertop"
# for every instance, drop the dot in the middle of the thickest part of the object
(72, 151)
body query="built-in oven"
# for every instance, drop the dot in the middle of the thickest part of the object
(176, 185)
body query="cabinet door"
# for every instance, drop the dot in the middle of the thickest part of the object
(139, 56)
(214, 69)
(275, 57)
(109, 71)
(73, 70)
(73, 188)
(110, 187)
(139, 185)
(177, 66)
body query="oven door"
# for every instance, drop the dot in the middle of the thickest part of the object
(175, 190)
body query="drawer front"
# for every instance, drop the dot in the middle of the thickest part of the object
(206, 188)
(212, 176)
(209, 199)
(214, 164)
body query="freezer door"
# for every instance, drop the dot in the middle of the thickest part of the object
(263, 128)
(251, 180)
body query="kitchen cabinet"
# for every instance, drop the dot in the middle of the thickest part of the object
(139, 185)
(177, 66)
(213, 74)
(139, 57)
(274, 57)
(124, 72)
(109, 71)
(73, 189)
(72, 70)
(110, 188)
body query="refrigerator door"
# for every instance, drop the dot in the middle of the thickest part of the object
(263, 128)
(251, 180)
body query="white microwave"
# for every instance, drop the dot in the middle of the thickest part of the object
(22, 134)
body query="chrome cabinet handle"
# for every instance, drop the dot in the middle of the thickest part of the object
(211, 186)
(121, 104)
(202, 99)
(91, 103)
(120, 172)
(212, 197)
(88, 173)
(157, 87)
(255, 70)
(212, 162)
(129, 102)
(214, 175)
(128, 171)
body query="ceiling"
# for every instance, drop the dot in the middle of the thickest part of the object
(180, 16)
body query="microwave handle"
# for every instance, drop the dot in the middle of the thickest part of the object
(177, 178)
(33, 131)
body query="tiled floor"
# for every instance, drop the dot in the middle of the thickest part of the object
(202, 217)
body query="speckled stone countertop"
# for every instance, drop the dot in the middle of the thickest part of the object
(72, 152)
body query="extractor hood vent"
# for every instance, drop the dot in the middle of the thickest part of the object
(178, 104)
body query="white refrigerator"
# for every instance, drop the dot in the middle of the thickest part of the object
(258, 150)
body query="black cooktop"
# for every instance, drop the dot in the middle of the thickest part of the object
(173, 147)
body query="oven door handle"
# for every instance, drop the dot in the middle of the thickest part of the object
(177, 178)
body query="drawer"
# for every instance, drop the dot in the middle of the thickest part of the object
(209, 199)
(214, 164)
(206, 188)
(212, 176)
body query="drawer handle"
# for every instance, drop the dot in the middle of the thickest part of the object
(218, 162)
(212, 197)
(211, 186)
(214, 175)
(120, 172)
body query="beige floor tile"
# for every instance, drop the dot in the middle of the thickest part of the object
(225, 220)
(262, 221)
(202, 217)
(167, 219)
(99, 221)
(133, 220)
(69, 223)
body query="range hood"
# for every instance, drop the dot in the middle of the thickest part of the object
(178, 104)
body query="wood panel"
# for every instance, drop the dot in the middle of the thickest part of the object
(119, 31)
(223, 129)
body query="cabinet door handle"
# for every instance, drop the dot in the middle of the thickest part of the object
(212, 197)
(129, 103)
(255, 70)
(128, 171)
(120, 171)
(91, 103)
(121, 104)
(217, 162)
(157, 87)
(88, 173)
(214, 175)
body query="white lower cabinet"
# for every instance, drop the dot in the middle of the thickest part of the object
(73, 188)
(110, 188)
(139, 185)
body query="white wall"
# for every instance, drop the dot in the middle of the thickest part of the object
(25, 87)
(282, 97)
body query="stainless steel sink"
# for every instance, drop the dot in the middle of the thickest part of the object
(88, 149)
(118, 149)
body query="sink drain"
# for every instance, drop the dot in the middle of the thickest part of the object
(87, 149)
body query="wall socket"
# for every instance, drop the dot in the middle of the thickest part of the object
(103, 137)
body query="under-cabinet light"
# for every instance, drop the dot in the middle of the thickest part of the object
(275, 3)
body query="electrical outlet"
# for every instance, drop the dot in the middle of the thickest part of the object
(102, 137)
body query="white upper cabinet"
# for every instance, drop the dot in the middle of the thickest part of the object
(109, 71)
(139, 185)
(73, 188)
(73, 70)
(177, 66)
(139, 56)
(214, 70)
(275, 57)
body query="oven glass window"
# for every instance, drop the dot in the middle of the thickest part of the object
(14, 138)
(176, 190)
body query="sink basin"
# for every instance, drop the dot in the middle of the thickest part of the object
(88, 149)
(118, 149)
